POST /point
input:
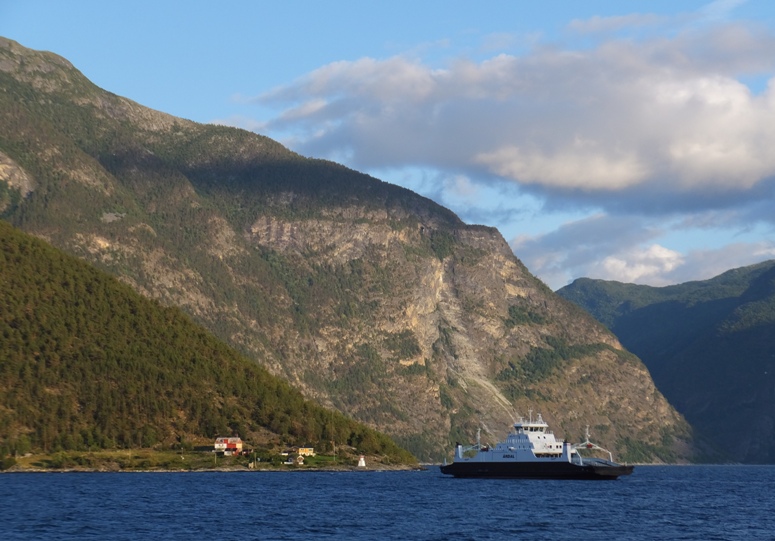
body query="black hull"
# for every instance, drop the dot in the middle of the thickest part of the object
(535, 470)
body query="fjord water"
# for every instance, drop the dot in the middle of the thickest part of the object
(656, 502)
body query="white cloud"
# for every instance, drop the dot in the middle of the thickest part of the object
(622, 119)
(707, 263)
(461, 186)
(383, 81)
(578, 248)
(632, 250)
(647, 264)
(583, 165)
(306, 109)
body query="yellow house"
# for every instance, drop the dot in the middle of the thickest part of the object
(306, 451)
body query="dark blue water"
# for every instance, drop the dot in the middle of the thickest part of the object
(689, 502)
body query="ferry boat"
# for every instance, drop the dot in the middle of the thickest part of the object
(531, 451)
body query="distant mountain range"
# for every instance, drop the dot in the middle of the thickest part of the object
(366, 297)
(709, 345)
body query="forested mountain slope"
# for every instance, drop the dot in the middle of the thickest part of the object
(87, 363)
(363, 295)
(710, 347)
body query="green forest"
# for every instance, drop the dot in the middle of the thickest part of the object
(86, 364)
(708, 344)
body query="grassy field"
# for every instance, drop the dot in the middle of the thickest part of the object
(172, 460)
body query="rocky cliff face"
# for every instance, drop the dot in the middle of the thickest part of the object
(367, 297)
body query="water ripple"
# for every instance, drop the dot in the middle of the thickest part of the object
(691, 503)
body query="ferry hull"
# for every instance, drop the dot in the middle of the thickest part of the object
(534, 470)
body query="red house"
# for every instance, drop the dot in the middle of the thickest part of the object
(228, 446)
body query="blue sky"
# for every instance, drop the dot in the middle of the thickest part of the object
(629, 141)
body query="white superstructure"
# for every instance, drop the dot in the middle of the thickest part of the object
(531, 451)
(531, 440)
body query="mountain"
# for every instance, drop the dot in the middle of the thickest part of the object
(709, 345)
(365, 296)
(88, 363)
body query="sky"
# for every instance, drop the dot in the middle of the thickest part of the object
(630, 141)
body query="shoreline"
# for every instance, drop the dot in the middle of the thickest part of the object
(343, 469)
(150, 461)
